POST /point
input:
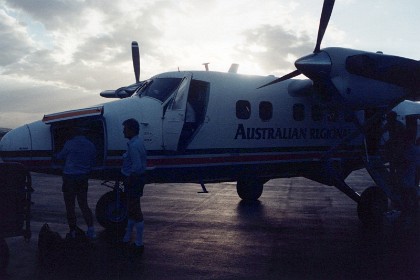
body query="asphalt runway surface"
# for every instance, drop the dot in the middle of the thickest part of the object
(298, 229)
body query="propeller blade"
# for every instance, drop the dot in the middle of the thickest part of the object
(283, 78)
(323, 22)
(312, 67)
(136, 60)
(108, 94)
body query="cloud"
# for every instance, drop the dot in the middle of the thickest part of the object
(38, 98)
(88, 50)
(14, 41)
(64, 51)
(67, 50)
(274, 48)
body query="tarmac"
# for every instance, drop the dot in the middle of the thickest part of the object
(298, 229)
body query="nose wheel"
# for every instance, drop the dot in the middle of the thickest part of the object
(111, 210)
(372, 206)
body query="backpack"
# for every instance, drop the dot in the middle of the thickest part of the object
(50, 244)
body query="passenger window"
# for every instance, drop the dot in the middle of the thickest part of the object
(298, 112)
(243, 109)
(317, 113)
(266, 110)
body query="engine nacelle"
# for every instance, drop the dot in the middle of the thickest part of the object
(362, 79)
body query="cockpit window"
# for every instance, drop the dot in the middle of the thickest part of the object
(159, 88)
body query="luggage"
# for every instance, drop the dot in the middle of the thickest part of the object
(50, 245)
(15, 206)
(15, 203)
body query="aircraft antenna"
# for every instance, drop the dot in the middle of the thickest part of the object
(233, 68)
(206, 65)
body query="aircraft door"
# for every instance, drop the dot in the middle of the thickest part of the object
(174, 117)
(92, 128)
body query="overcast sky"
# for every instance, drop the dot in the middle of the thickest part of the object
(59, 54)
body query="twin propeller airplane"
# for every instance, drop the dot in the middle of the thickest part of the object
(204, 126)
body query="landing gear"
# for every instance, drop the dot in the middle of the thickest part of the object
(111, 210)
(250, 189)
(4, 256)
(372, 206)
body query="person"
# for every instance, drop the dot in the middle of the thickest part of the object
(397, 134)
(395, 149)
(417, 163)
(133, 170)
(79, 154)
(408, 191)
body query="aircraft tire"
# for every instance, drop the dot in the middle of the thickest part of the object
(249, 189)
(110, 215)
(4, 256)
(372, 206)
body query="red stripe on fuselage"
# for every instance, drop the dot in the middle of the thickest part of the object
(245, 159)
(216, 159)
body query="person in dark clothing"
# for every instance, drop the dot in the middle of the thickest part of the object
(417, 162)
(395, 149)
(407, 174)
(402, 158)
(79, 155)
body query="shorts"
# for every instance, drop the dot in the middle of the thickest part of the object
(75, 183)
(136, 186)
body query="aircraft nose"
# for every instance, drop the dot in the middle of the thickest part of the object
(15, 144)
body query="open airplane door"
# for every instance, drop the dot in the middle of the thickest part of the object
(91, 123)
(174, 117)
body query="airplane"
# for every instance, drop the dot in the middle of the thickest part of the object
(249, 129)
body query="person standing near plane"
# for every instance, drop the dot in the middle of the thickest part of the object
(402, 158)
(417, 162)
(133, 170)
(409, 184)
(79, 154)
(395, 149)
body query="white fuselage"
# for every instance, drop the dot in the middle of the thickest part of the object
(276, 131)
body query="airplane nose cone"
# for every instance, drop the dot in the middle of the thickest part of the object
(14, 143)
(315, 66)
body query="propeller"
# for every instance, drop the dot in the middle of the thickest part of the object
(327, 9)
(323, 22)
(127, 91)
(283, 78)
(136, 59)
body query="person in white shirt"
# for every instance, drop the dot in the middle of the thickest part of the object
(133, 170)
